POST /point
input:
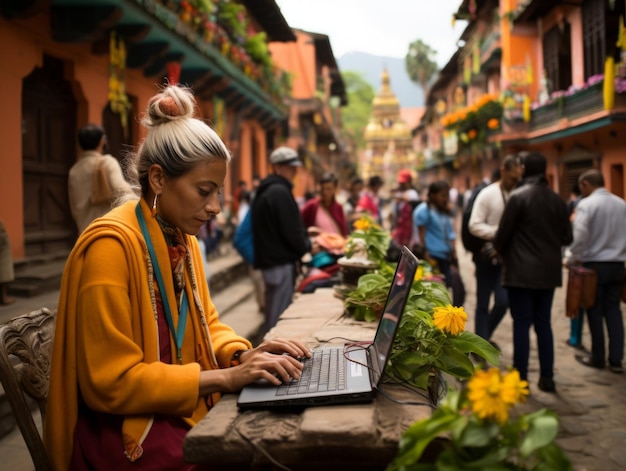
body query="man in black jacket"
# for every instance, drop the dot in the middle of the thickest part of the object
(280, 238)
(533, 229)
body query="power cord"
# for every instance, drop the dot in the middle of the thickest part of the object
(263, 451)
(405, 403)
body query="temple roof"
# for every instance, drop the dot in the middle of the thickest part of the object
(385, 121)
(385, 96)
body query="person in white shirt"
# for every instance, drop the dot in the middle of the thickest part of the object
(484, 220)
(600, 243)
(92, 140)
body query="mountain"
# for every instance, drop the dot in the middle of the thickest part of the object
(409, 94)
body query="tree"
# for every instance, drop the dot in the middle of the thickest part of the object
(420, 64)
(356, 115)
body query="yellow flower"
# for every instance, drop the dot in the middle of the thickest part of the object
(513, 388)
(419, 273)
(450, 319)
(488, 396)
(362, 224)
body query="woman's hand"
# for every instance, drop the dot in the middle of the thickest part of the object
(279, 346)
(275, 361)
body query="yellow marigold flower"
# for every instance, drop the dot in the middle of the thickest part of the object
(514, 390)
(450, 319)
(361, 224)
(419, 273)
(486, 393)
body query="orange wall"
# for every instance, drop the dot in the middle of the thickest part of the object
(15, 63)
(299, 59)
(29, 40)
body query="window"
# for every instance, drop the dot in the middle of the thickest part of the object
(594, 39)
(557, 57)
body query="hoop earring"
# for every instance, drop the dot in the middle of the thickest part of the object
(154, 206)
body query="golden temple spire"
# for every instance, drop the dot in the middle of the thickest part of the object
(385, 96)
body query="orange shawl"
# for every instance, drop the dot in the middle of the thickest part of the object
(106, 341)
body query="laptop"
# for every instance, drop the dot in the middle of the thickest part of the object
(341, 374)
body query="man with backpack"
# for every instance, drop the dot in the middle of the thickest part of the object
(278, 233)
(485, 210)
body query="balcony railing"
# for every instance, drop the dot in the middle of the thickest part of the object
(580, 103)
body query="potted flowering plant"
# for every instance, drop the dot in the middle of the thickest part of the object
(477, 428)
(432, 340)
(365, 251)
(431, 337)
(369, 235)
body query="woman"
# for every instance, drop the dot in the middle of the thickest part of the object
(323, 213)
(139, 352)
(370, 201)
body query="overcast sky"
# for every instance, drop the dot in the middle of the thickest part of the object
(380, 27)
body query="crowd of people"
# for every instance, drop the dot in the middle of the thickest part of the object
(140, 353)
(523, 230)
(518, 230)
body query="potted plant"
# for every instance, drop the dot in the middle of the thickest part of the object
(366, 249)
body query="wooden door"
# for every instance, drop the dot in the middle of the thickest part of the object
(48, 152)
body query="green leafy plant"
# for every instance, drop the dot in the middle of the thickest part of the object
(256, 47)
(431, 336)
(233, 17)
(423, 348)
(366, 302)
(475, 429)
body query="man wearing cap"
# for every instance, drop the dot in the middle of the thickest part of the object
(280, 238)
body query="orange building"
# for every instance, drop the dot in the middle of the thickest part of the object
(69, 62)
(318, 93)
(535, 76)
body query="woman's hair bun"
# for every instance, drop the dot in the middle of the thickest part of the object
(171, 104)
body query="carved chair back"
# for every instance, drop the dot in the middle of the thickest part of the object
(25, 356)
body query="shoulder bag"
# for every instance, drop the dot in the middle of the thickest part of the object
(101, 191)
(581, 289)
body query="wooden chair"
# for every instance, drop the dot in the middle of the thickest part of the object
(25, 354)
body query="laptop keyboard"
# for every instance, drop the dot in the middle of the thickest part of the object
(324, 371)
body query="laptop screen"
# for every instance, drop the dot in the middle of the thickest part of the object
(394, 307)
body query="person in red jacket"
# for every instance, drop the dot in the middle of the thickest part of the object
(323, 213)
(370, 201)
(406, 199)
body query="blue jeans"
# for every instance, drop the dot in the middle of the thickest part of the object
(532, 307)
(452, 279)
(607, 309)
(488, 280)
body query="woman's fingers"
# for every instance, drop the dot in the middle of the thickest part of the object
(294, 348)
(274, 368)
(286, 367)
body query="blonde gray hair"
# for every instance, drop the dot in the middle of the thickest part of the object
(175, 139)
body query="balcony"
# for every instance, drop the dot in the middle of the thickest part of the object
(213, 60)
(583, 102)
